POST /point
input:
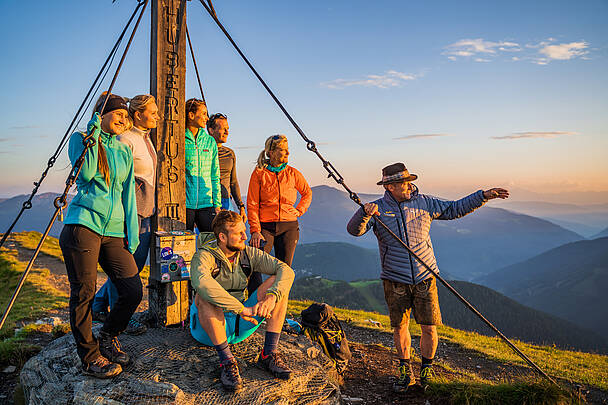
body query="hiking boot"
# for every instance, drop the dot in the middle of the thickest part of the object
(427, 375)
(406, 379)
(100, 316)
(275, 364)
(229, 376)
(101, 368)
(135, 328)
(109, 347)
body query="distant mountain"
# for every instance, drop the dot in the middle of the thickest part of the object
(511, 318)
(474, 245)
(602, 234)
(586, 220)
(33, 219)
(570, 281)
(338, 261)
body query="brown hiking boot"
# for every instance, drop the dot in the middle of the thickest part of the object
(229, 376)
(109, 347)
(101, 368)
(275, 364)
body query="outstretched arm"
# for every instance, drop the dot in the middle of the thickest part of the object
(455, 209)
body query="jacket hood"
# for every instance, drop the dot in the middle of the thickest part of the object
(208, 242)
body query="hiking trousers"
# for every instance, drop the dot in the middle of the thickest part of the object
(283, 236)
(82, 249)
(107, 295)
(202, 217)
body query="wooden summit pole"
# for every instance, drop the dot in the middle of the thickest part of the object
(168, 300)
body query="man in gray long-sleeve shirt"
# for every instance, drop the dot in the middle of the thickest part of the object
(217, 126)
(407, 284)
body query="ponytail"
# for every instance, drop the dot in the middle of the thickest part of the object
(269, 145)
(102, 159)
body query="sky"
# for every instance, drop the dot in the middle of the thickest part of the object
(469, 94)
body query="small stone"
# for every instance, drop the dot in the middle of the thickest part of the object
(478, 366)
(313, 352)
(9, 369)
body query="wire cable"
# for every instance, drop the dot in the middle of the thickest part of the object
(198, 77)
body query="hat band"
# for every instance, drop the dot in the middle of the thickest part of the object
(396, 176)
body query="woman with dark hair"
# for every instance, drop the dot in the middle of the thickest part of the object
(273, 191)
(143, 112)
(203, 193)
(101, 227)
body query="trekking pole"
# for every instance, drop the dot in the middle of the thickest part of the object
(51, 162)
(333, 173)
(61, 201)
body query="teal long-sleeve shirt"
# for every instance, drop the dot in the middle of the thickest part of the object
(202, 171)
(107, 210)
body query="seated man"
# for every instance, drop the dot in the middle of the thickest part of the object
(221, 313)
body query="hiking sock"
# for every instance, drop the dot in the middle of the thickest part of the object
(223, 350)
(426, 362)
(271, 342)
(407, 363)
(404, 362)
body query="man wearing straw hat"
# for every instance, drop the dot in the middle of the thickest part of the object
(407, 283)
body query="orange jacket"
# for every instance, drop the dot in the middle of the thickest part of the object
(271, 196)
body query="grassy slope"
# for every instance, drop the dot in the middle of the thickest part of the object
(36, 297)
(30, 240)
(591, 369)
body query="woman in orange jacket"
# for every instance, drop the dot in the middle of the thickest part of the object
(273, 190)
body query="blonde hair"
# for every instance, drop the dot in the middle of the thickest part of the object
(139, 104)
(270, 145)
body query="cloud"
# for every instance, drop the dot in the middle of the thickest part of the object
(470, 47)
(416, 136)
(7, 139)
(540, 53)
(24, 127)
(521, 135)
(565, 51)
(391, 78)
(248, 147)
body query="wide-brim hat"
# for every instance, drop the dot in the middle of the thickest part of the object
(396, 173)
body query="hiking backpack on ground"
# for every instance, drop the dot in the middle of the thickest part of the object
(321, 325)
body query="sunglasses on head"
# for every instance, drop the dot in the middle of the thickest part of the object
(218, 116)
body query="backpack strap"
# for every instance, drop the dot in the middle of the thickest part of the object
(243, 262)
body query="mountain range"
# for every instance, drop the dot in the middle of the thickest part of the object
(570, 281)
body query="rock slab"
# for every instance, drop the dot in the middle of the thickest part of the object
(170, 367)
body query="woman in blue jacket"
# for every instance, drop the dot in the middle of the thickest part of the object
(203, 192)
(101, 227)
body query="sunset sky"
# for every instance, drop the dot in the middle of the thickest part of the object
(467, 94)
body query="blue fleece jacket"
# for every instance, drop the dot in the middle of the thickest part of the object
(108, 210)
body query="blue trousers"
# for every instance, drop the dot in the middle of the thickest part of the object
(108, 294)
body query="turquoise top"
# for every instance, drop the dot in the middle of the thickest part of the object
(276, 169)
(107, 210)
(202, 171)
